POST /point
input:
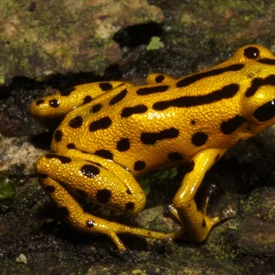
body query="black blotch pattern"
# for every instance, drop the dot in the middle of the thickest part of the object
(71, 146)
(62, 159)
(39, 101)
(258, 82)
(96, 108)
(267, 61)
(105, 86)
(76, 122)
(152, 90)
(190, 101)
(54, 103)
(123, 145)
(139, 109)
(152, 138)
(104, 154)
(67, 92)
(199, 139)
(87, 99)
(196, 77)
(58, 135)
(231, 125)
(118, 97)
(103, 196)
(174, 156)
(100, 124)
(159, 78)
(90, 170)
(139, 165)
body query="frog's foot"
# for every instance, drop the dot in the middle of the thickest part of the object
(195, 233)
(198, 232)
(74, 214)
(90, 224)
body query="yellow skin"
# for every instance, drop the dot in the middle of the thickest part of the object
(112, 132)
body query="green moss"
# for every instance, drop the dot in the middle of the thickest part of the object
(6, 188)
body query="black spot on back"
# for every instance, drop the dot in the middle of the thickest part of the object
(123, 145)
(152, 90)
(104, 154)
(90, 170)
(71, 146)
(118, 97)
(39, 101)
(58, 135)
(174, 156)
(67, 92)
(199, 139)
(152, 138)
(258, 83)
(100, 124)
(62, 159)
(76, 122)
(138, 109)
(196, 77)
(103, 196)
(95, 108)
(190, 101)
(105, 86)
(139, 165)
(231, 125)
(159, 78)
(87, 99)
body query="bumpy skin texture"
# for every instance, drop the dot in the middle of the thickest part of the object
(112, 132)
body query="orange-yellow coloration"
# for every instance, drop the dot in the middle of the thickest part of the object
(112, 132)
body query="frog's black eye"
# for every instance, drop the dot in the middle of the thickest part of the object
(265, 112)
(251, 52)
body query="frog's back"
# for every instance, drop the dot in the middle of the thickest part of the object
(173, 119)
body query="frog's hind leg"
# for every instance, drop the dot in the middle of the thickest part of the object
(66, 176)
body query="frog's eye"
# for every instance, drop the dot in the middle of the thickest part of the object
(265, 112)
(251, 52)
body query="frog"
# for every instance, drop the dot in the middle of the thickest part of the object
(110, 133)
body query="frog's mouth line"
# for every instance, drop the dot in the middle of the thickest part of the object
(265, 112)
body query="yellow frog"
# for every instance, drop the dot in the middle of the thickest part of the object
(112, 132)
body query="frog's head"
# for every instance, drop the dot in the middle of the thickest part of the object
(258, 93)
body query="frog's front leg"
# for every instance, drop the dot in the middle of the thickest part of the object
(196, 225)
(98, 180)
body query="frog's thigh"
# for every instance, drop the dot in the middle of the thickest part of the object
(196, 224)
(94, 182)
(61, 175)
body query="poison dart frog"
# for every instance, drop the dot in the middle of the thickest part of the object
(112, 132)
